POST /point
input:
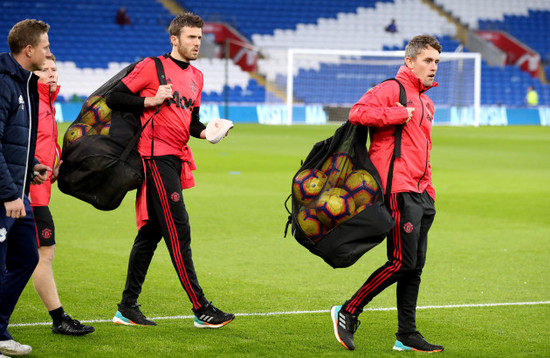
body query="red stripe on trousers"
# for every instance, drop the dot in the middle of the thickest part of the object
(389, 271)
(178, 258)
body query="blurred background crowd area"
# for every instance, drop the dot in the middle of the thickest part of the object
(245, 41)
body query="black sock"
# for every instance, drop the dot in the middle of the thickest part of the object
(57, 314)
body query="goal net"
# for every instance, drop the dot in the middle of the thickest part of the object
(336, 80)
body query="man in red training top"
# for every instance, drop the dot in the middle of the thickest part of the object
(168, 165)
(412, 194)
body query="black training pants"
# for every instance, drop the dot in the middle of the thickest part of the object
(406, 249)
(168, 218)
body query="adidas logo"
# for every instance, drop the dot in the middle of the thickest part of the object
(206, 318)
(341, 320)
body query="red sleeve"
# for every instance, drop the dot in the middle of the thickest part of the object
(141, 76)
(201, 84)
(378, 108)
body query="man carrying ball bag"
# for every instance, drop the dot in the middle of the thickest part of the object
(412, 195)
(168, 163)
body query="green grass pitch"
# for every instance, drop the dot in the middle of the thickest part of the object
(489, 244)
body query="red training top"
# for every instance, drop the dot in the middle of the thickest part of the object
(47, 148)
(377, 108)
(171, 124)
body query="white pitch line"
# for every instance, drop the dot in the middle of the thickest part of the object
(310, 312)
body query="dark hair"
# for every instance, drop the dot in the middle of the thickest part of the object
(419, 43)
(26, 32)
(185, 19)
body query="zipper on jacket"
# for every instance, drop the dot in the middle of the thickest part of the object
(425, 166)
(420, 126)
(52, 111)
(29, 138)
(421, 102)
(50, 102)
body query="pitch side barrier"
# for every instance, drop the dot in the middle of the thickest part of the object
(317, 114)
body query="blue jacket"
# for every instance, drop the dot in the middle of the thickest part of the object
(18, 127)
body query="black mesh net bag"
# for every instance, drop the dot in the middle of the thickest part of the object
(338, 210)
(100, 160)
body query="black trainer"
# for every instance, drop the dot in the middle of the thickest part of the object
(345, 324)
(415, 342)
(71, 327)
(209, 316)
(131, 315)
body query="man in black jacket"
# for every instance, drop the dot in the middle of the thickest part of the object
(29, 46)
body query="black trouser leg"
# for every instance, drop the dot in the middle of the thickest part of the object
(406, 250)
(140, 258)
(408, 287)
(167, 202)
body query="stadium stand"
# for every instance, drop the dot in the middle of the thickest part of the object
(91, 47)
(525, 20)
(471, 11)
(86, 32)
(359, 25)
(253, 17)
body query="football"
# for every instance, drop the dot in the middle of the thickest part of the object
(307, 185)
(105, 129)
(76, 131)
(362, 187)
(337, 168)
(334, 207)
(98, 111)
(311, 225)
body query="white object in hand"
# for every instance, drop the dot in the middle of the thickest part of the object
(217, 129)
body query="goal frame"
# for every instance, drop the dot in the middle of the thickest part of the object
(292, 52)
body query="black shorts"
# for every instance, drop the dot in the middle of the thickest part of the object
(45, 230)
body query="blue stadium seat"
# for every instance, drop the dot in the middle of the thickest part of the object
(84, 32)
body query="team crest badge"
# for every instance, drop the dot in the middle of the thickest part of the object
(46, 233)
(408, 227)
(3, 233)
(175, 197)
(194, 87)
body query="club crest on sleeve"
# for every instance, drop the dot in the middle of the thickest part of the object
(46, 233)
(194, 87)
(175, 196)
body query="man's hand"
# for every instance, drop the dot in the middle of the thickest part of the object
(163, 93)
(15, 209)
(40, 173)
(409, 109)
(55, 172)
(217, 129)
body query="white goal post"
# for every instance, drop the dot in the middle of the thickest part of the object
(338, 78)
